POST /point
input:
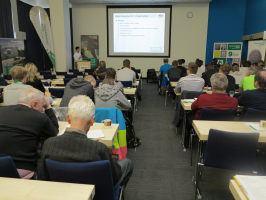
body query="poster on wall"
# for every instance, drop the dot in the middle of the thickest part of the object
(256, 50)
(12, 53)
(228, 52)
(90, 49)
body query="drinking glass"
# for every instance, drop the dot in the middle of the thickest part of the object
(231, 93)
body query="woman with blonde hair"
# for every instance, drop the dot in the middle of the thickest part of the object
(32, 77)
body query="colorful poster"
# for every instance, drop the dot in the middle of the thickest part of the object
(90, 49)
(256, 50)
(41, 23)
(228, 52)
(12, 53)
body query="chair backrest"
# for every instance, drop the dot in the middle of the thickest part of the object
(174, 79)
(217, 115)
(61, 73)
(45, 84)
(254, 115)
(66, 80)
(97, 173)
(48, 76)
(42, 73)
(190, 94)
(8, 168)
(3, 83)
(126, 83)
(89, 70)
(138, 71)
(231, 150)
(78, 73)
(71, 76)
(236, 86)
(98, 82)
(90, 73)
(8, 77)
(58, 92)
(73, 70)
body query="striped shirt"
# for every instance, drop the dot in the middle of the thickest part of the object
(190, 83)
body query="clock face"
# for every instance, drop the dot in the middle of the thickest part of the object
(189, 14)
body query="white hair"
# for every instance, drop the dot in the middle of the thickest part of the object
(219, 81)
(81, 107)
(29, 95)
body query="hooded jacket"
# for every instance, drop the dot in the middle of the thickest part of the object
(108, 96)
(77, 86)
(238, 76)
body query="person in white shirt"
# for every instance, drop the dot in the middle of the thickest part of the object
(77, 56)
(201, 67)
(126, 74)
(236, 74)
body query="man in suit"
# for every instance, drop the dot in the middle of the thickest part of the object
(225, 69)
(255, 98)
(207, 75)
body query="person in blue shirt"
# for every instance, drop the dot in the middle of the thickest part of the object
(163, 70)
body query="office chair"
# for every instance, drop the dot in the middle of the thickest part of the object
(126, 83)
(255, 115)
(61, 73)
(3, 83)
(48, 76)
(8, 168)
(8, 77)
(57, 92)
(47, 73)
(71, 76)
(66, 80)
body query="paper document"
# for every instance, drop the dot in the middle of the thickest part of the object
(256, 127)
(252, 186)
(188, 100)
(93, 134)
(54, 102)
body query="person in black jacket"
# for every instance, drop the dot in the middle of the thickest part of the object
(225, 68)
(179, 65)
(21, 128)
(207, 75)
(32, 78)
(174, 71)
(74, 146)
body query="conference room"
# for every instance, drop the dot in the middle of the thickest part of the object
(78, 120)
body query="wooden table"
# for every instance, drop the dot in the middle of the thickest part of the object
(24, 189)
(173, 84)
(109, 133)
(59, 76)
(236, 191)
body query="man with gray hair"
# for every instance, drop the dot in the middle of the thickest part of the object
(247, 82)
(218, 100)
(74, 146)
(22, 126)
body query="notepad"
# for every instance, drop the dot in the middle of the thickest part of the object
(256, 127)
(92, 134)
(188, 100)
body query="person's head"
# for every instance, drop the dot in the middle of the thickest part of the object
(32, 71)
(86, 43)
(235, 67)
(244, 63)
(77, 49)
(208, 67)
(91, 79)
(126, 63)
(32, 97)
(260, 79)
(183, 61)
(260, 62)
(109, 81)
(260, 68)
(192, 68)
(214, 61)
(251, 70)
(165, 60)
(19, 73)
(219, 82)
(199, 62)
(255, 65)
(81, 111)
(248, 63)
(225, 68)
(179, 62)
(110, 73)
(102, 65)
(175, 63)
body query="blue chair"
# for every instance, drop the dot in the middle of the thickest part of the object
(209, 84)
(8, 168)
(138, 71)
(58, 92)
(8, 77)
(96, 173)
(90, 73)
(126, 83)
(70, 76)
(228, 150)
(89, 70)
(3, 83)
(61, 73)
(66, 80)
(98, 82)
(73, 70)
(48, 76)
(236, 86)
(46, 84)
(170, 88)
(42, 73)
(212, 115)
(255, 115)
(78, 73)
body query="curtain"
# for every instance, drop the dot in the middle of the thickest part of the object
(71, 32)
(6, 24)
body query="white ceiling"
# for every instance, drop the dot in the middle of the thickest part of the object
(136, 1)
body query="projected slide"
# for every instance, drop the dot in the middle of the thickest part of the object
(138, 32)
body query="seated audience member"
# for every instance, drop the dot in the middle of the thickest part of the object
(126, 74)
(236, 74)
(207, 75)
(180, 62)
(32, 77)
(134, 70)
(255, 98)
(201, 68)
(163, 70)
(191, 82)
(100, 72)
(249, 63)
(261, 67)
(247, 83)
(111, 73)
(21, 128)
(81, 111)
(260, 62)
(78, 86)
(244, 67)
(12, 91)
(225, 69)
(174, 71)
(215, 64)
(255, 65)
(109, 96)
(218, 100)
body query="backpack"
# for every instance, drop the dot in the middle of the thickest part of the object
(132, 140)
(163, 90)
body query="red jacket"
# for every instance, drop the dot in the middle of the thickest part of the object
(215, 101)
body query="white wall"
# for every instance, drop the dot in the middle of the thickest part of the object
(188, 40)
